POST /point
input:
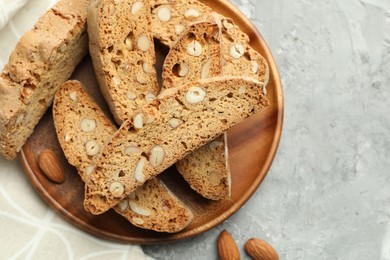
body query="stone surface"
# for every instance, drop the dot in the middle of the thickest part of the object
(327, 195)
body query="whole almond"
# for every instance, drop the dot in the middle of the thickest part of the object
(50, 165)
(260, 250)
(227, 248)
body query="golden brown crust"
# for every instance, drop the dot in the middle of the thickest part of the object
(122, 51)
(207, 169)
(43, 59)
(78, 120)
(179, 121)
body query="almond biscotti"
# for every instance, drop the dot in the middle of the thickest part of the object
(83, 130)
(170, 18)
(207, 169)
(153, 206)
(122, 51)
(238, 57)
(177, 122)
(197, 55)
(43, 59)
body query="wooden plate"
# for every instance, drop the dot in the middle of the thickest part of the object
(252, 147)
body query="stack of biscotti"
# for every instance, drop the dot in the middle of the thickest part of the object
(238, 57)
(122, 51)
(179, 121)
(207, 169)
(196, 54)
(83, 130)
(43, 59)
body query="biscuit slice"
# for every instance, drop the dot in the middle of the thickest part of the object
(197, 55)
(83, 130)
(177, 122)
(42, 61)
(171, 18)
(122, 51)
(238, 57)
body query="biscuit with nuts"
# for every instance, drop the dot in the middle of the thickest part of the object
(42, 61)
(177, 122)
(206, 169)
(78, 121)
(122, 51)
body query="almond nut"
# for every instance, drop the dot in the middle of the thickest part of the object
(157, 155)
(136, 7)
(116, 80)
(182, 69)
(242, 90)
(237, 50)
(150, 97)
(131, 96)
(175, 122)
(117, 189)
(214, 178)
(123, 205)
(19, 119)
(254, 66)
(195, 95)
(73, 96)
(141, 79)
(259, 249)
(138, 121)
(131, 149)
(164, 14)
(140, 211)
(138, 174)
(227, 24)
(179, 28)
(137, 221)
(67, 137)
(143, 43)
(227, 248)
(194, 48)
(204, 73)
(50, 165)
(87, 125)
(191, 13)
(89, 170)
(92, 148)
(129, 43)
(147, 68)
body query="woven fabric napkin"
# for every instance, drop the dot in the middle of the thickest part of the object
(8, 8)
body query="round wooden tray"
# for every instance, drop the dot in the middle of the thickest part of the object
(252, 147)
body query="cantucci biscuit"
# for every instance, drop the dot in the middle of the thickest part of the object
(42, 61)
(170, 18)
(83, 130)
(206, 169)
(178, 121)
(238, 57)
(122, 51)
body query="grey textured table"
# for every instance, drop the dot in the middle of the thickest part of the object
(327, 195)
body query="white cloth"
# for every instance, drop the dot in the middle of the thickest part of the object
(8, 8)
(30, 229)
